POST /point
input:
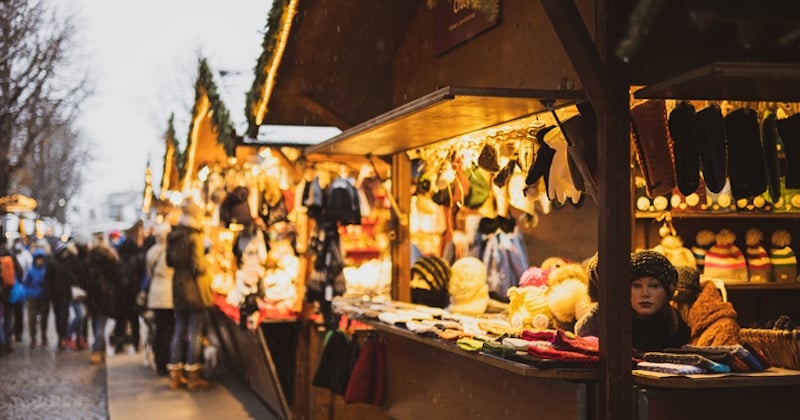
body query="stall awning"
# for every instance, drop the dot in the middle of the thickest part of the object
(745, 81)
(443, 114)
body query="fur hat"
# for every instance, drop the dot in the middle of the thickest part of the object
(649, 263)
(534, 276)
(725, 260)
(688, 284)
(429, 279)
(469, 291)
(782, 257)
(566, 297)
(759, 266)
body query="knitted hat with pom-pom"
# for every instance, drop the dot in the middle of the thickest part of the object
(704, 240)
(429, 278)
(759, 265)
(782, 257)
(469, 291)
(725, 260)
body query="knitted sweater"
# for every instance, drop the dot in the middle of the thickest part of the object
(713, 322)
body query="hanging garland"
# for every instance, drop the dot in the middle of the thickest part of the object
(268, 45)
(220, 117)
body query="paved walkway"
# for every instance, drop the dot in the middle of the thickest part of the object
(44, 383)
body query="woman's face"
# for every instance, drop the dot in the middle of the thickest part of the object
(648, 296)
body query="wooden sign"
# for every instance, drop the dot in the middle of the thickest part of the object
(455, 22)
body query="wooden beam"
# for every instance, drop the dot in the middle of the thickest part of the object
(317, 109)
(580, 49)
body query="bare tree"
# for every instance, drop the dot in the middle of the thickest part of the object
(40, 97)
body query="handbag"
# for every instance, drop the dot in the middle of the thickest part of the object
(17, 293)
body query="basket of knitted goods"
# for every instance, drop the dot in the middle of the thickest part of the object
(781, 347)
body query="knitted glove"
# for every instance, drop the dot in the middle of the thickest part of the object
(561, 185)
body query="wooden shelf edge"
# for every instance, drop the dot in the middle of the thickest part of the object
(716, 215)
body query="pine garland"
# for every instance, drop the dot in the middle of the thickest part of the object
(220, 117)
(272, 30)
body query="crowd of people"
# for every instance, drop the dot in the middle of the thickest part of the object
(124, 276)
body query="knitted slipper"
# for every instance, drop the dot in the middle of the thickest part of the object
(683, 129)
(653, 146)
(745, 154)
(712, 147)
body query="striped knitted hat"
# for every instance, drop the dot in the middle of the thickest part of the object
(784, 261)
(703, 242)
(429, 278)
(759, 266)
(725, 260)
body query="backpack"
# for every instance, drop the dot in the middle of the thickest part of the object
(7, 270)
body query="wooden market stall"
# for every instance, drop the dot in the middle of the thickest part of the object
(380, 80)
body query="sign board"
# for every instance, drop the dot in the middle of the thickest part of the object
(455, 23)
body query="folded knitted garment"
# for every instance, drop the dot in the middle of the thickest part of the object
(519, 343)
(565, 340)
(674, 368)
(737, 350)
(469, 344)
(540, 335)
(561, 355)
(497, 348)
(452, 334)
(422, 328)
(723, 357)
(707, 365)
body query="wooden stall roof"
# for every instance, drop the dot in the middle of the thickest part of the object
(445, 113)
(739, 81)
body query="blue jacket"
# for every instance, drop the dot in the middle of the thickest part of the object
(34, 280)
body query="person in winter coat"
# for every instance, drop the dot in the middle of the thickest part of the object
(131, 256)
(191, 294)
(159, 297)
(59, 278)
(655, 324)
(38, 302)
(100, 286)
(712, 321)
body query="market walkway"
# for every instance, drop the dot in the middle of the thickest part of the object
(44, 383)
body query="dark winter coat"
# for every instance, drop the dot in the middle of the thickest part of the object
(191, 269)
(101, 278)
(132, 269)
(713, 322)
(653, 333)
(60, 276)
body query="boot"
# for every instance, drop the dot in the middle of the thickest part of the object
(195, 380)
(97, 358)
(176, 378)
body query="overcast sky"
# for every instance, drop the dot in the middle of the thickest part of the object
(142, 56)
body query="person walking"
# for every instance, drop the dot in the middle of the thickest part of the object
(132, 270)
(159, 297)
(59, 278)
(100, 286)
(191, 294)
(25, 260)
(38, 301)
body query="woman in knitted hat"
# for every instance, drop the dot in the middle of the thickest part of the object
(655, 324)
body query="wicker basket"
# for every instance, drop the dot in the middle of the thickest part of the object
(781, 347)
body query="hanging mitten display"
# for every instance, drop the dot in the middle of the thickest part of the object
(782, 257)
(789, 130)
(759, 266)
(769, 137)
(544, 158)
